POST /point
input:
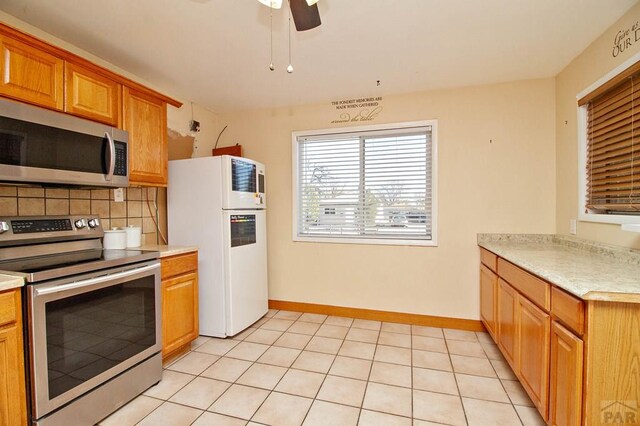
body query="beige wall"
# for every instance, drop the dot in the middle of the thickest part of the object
(596, 61)
(496, 174)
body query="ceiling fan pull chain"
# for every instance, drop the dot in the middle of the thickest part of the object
(271, 67)
(290, 67)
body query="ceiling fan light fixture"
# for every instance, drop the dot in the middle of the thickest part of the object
(312, 2)
(274, 4)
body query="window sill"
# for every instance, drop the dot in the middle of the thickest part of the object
(631, 227)
(616, 219)
(367, 241)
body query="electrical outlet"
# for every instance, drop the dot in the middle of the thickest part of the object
(118, 195)
(573, 226)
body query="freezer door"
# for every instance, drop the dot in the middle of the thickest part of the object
(245, 236)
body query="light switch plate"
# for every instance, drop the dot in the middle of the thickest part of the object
(118, 195)
(573, 227)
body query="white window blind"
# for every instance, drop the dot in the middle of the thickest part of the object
(366, 185)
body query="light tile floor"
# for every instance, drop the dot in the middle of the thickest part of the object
(294, 368)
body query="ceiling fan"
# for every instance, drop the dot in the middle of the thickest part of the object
(305, 12)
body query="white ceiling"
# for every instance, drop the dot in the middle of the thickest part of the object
(216, 52)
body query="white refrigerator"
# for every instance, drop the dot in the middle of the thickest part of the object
(219, 205)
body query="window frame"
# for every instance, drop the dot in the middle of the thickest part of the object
(433, 242)
(586, 216)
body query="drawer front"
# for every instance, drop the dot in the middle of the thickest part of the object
(489, 259)
(532, 287)
(568, 309)
(180, 264)
(9, 305)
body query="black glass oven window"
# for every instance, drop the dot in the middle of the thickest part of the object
(243, 176)
(92, 332)
(34, 145)
(243, 230)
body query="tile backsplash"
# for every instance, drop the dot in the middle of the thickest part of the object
(36, 201)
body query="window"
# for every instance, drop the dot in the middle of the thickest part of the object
(610, 153)
(366, 185)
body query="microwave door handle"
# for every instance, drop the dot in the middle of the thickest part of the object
(112, 157)
(93, 281)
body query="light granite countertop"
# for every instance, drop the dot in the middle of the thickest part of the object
(589, 270)
(9, 282)
(167, 250)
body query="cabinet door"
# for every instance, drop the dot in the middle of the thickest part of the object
(30, 75)
(533, 360)
(91, 95)
(488, 295)
(565, 388)
(179, 311)
(13, 400)
(145, 118)
(507, 322)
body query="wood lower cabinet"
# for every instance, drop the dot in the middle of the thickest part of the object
(488, 290)
(92, 95)
(179, 302)
(13, 410)
(145, 118)
(30, 75)
(533, 350)
(507, 322)
(577, 359)
(565, 387)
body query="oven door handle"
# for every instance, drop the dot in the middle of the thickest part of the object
(112, 156)
(94, 281)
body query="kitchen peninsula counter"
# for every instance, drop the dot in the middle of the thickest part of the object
(586, 269)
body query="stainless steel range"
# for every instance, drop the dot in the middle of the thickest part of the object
(93, 317)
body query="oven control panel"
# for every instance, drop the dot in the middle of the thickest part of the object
(40, 225)
(48, 228)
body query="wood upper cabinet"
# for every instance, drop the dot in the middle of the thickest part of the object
(507, 322)
(565, 387)
(488, 296)
(92, 95)
(533, 352)
(179, 302)
(30, 75)
(145, 118)
(13, 400)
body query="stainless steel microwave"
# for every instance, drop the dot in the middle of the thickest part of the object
(42, 146)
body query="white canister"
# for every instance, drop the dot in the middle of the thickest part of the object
(134, 236)
(115, 239)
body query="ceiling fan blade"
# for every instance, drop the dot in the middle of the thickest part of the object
(305, 17)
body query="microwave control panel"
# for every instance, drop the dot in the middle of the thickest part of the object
(121, 159)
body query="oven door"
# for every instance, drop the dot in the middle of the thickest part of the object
(85, 330)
